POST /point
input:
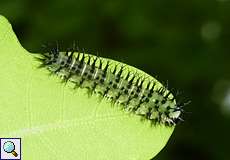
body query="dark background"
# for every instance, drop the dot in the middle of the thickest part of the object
(186, 43)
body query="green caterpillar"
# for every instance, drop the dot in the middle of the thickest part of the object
(134, 90)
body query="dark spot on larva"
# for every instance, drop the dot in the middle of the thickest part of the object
(135, 95)
(110, 82)
(102, 80)
(150, 95)
(148, 114)
(67, 64)
(128, 86)
(163, 101)
(77, 71)
(80, 66)
(156, 101)
(168, 108)
(62, 62)
(55, 55)
(166, 113)
(126, 91)
(103, 76)
(114, 86)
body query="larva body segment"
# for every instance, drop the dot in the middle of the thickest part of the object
(134, 90)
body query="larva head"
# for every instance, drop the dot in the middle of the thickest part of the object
(164, 108)
(172, 112)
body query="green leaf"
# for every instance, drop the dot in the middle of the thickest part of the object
(56, 122)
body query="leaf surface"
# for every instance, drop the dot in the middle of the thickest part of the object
(56, 122)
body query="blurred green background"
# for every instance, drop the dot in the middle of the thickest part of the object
(186, 43)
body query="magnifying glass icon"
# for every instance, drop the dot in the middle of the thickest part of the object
(9, 147)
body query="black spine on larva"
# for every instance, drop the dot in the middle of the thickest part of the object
(127, 76)
(93, 66)
(100, 64)
(118, 75)
(115, 69)
(70, 57)
(78, 57)
(82, 59)
(139, 87)
(105, 72)
(130, 82)
(90, 69)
